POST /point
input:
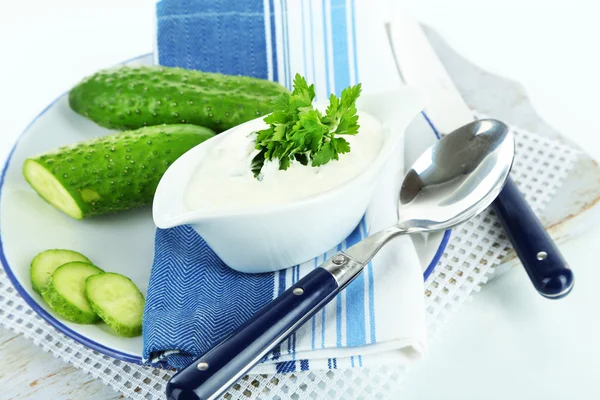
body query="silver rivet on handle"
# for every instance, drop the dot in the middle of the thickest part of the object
(202, 366)
(339, 259)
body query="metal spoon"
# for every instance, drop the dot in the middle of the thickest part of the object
(450, 183)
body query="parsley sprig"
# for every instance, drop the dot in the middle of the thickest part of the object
(299, 132)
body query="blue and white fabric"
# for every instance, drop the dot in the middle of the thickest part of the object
(194, 300)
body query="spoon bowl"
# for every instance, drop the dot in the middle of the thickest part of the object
(454, 180)
(458, 177)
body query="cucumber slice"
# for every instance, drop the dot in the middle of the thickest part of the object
(45, 263)
(117, 300)
(65, 292)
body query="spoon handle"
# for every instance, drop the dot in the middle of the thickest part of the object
(538, 253)
(214, 372)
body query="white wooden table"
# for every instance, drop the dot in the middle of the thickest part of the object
(527, 347)
(26, 372)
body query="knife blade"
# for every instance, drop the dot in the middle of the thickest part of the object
(420, 67)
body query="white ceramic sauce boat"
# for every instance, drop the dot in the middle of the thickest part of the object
(261, 239)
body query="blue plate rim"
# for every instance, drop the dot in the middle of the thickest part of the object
(119, 355)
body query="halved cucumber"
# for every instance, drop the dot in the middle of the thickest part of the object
(110, 173)
(117, 300)
(51, 189)
(45, 263)
(65, 292)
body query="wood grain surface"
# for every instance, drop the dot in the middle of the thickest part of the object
(28, 373)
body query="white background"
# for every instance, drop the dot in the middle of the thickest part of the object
(508, 342)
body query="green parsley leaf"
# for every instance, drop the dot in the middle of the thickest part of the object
(332, 110)
(341, 145)
(257, 163)
(324, 155)
(281, 102)
(348, 124)
(279, 132)
(284, 163)
(311, 121)
(298, 132)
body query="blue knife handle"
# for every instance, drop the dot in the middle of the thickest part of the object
(214, 372)
(540, 257)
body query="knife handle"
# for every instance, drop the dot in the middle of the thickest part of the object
(218, 369)
(538, 253)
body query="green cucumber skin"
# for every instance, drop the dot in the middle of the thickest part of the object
(132, 97)
(122, 169)
(120, 329)
(65, 308)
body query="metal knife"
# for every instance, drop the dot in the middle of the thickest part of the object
(420, 67)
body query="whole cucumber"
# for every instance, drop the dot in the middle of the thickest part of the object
(111, 173)
(132, 97)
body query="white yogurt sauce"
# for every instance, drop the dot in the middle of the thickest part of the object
(223, 180)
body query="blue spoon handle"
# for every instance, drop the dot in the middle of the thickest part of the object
(214, 372)
(538, 253)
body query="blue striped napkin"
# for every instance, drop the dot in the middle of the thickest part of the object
(194, 300)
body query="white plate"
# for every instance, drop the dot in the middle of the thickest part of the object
(122, 243)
